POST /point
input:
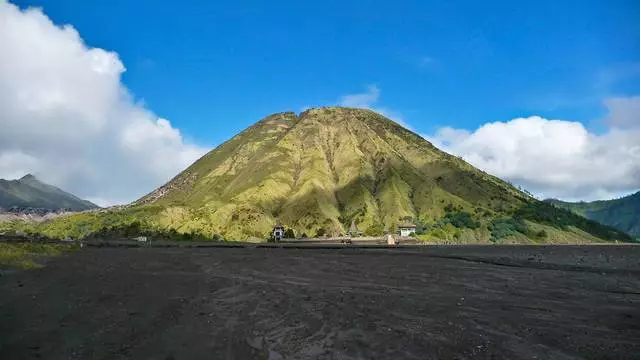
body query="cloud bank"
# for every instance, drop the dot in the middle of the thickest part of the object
(557, 158)
(67, 118)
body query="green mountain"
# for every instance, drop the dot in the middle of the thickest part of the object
(321, 170)
(622, 214)
(31, 192)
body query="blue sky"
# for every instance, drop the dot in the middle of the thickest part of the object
(213, 68)
(545, 94)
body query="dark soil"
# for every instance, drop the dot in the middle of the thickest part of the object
(490, 302)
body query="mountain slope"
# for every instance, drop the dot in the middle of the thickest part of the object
(622, 214)
(31, 192)
(324, 169)
(321, 170)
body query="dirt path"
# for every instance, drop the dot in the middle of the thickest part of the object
(441, 303)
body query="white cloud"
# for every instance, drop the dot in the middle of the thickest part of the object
(362, 100)
(556, 158)
(67, 117)
(369, 100)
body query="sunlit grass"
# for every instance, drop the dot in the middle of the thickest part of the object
(25, 255)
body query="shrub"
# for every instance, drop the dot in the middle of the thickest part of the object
(439, 233)
(421, 227)
(502, 228)
(461, 219)
(375, 230)
(289, 234)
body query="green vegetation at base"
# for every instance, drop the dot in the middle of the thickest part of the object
(622, 214)
(376, 229)
(503, 228)
(81, 225)
(136, 229)
(545, 213)
(451, 228)
(459, 219)
(106, 224)
(24, 255)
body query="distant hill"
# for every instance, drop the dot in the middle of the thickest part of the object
(29, 192)
(622, 214)
(321, 170)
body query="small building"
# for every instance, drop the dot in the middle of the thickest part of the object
(406, 229)
(354, 231)
(278, 232)
(391, 240)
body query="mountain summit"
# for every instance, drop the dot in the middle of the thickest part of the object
(321, 170)
(28, 177)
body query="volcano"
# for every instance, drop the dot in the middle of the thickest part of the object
(321, 170)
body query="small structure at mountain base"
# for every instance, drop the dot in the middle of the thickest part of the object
(353, 230)
(391, 240)
(406, 229)
(278, 232)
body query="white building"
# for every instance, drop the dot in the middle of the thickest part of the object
(406, 229)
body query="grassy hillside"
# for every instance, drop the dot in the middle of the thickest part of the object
(318, 171)
(622, 214)
(31, 192)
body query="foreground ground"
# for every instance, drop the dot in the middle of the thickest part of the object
(562, 302)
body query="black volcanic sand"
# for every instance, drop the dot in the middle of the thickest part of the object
(562, 302)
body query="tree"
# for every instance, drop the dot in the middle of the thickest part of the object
(461, 219)
(132, 229)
